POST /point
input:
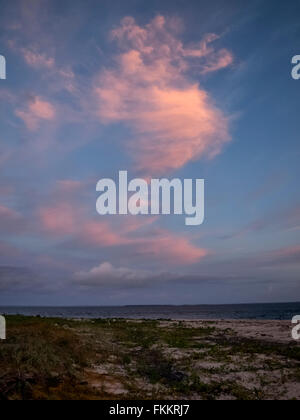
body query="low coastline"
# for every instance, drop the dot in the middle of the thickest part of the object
(254, 311)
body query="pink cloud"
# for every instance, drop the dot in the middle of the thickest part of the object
(172, 248)
(41, 109)
(222, 60)
(63, 219)
(156, 244)
(173, 120)
(31, 55)
(289, 254)
(159, 245)
(59, 77)
(163, 246)
(37, 60)
(67, 216)
(58, 220)
(36, 110)
(101, 234)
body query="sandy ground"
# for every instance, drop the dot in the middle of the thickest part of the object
(270, 331)
(139, 359)
(237, 360)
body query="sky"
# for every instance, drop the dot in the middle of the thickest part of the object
(163, 89)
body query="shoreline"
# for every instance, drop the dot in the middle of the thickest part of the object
(264, 312)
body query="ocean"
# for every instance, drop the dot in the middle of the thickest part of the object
(262, 311)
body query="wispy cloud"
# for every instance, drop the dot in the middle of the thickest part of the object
(63, 76)
(66, 218)
(58, 220)
(287, 255)
(171, 248)
(37, 60)
(172, 118)
(279, 219)
(35, 111)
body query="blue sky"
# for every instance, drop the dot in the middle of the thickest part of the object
(163, 89)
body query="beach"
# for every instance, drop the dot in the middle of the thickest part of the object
(121, 359)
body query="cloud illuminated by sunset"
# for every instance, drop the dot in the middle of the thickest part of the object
(35, 111)
(172, 118)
